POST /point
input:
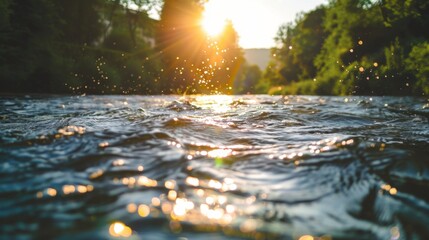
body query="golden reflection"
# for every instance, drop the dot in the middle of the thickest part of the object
(206, 207)
(96, 174)
(172, 195)
(39, 194)
(200, 192)
(179, 210)
(119, 229)
(103, 144)
(143, 210)
(386, 187)
(119, 162)
(71, 130)
(89, 188)
(230, 209)
(147, 182)
(393, 191)
(249, 225)
(221, 200)
(156, 202)
(125, 181)
(220, 153)
(215, 184)
(141, 181)
(131, 208)
(67, 189)
(174, 144)
(228, 181)
(170, 184)
(210, 200)
(51, 192)
(193, 181)
(306, 237)
(394, 231)
(318, 147)
(82, 189)
(166, 208)
(217, 103)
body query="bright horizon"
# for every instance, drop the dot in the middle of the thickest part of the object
(256, 21)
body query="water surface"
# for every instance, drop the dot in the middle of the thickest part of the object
(214, 167)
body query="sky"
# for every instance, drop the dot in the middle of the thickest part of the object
(257, 21)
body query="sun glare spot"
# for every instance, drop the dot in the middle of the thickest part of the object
(213, 21)
(213, 25)
(119, 229)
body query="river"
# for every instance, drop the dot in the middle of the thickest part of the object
(214, 167)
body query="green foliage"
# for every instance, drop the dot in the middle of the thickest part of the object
(305, 87)
(81, 21)
(82, 46)
(354, 48)
(4, 14)
(406, 17)
(348, 47)
(28, 36)
(417, 63)
(247, 80)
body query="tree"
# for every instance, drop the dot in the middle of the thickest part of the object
(353, 47)
(299, 44)
(248, 81)
(82, 20)
(417, 63)
(195, 62)
(227, 58)
(63, 46)
(182, 45)
(29, 33)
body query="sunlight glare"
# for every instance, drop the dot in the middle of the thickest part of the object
(214, 19)
(218, 103)
(212, 24)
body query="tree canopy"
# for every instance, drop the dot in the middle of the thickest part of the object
(354, 48)
(112, 46)
(347, 47)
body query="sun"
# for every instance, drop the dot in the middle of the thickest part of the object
(212, 25)
(214, 19)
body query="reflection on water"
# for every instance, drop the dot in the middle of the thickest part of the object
(214, 167)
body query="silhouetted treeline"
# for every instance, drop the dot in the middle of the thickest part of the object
(192, 61)
(113, 46)
(79, 46)
(353, 47)
(347, 47)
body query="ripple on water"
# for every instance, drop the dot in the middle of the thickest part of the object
(258, 167)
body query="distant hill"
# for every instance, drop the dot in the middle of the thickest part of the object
(258, 56)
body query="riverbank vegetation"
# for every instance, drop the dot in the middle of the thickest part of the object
(353, 48)
(114, 47)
